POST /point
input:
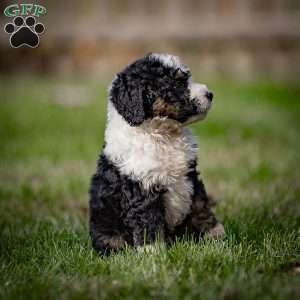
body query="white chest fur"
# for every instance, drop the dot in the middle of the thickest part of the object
(152, 155)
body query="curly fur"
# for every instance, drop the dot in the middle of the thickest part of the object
(146, 183)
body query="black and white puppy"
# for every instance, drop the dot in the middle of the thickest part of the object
(146, 184)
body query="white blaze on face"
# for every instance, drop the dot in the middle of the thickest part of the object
(198, 94)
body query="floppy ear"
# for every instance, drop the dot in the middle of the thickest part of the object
(127, 97)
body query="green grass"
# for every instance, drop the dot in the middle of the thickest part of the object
(249, 158)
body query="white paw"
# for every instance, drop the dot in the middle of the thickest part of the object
(217, 231)
(146, 249)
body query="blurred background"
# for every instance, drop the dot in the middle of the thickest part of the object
(238, 38)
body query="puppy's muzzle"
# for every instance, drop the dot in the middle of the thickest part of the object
(201, 97)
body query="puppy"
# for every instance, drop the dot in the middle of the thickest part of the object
(146, 184)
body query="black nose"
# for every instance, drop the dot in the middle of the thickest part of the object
(209, 95)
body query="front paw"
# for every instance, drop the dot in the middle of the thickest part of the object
(217, 232)
(147, 249)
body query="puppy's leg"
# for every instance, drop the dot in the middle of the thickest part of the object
(106, 244)
(105, 230)
(106, 227)
(202, 218)
(145, 215)
(147, 225)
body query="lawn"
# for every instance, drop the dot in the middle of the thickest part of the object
(51, 133)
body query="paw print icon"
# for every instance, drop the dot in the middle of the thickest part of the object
(24, 32)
